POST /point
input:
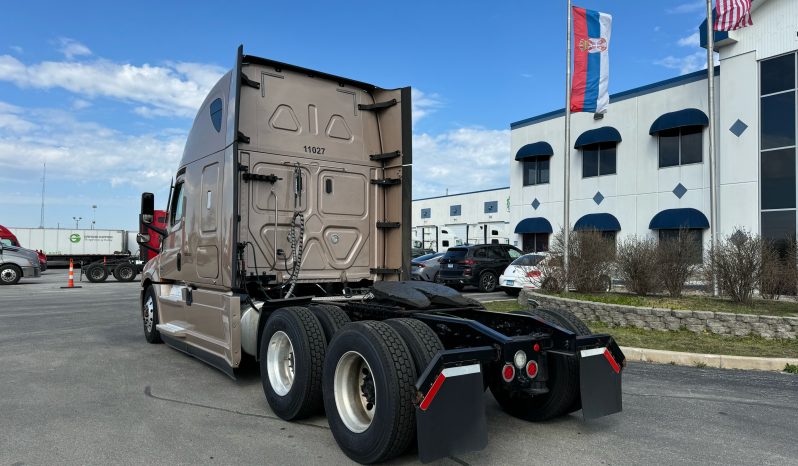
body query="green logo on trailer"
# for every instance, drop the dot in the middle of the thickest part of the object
(74, 237)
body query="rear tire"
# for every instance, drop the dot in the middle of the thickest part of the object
(96, 273)
(487, 282)
(332, 318)
(292, 349)
(369, 393)
(149, 313)
(125, 273)
(422, 342)
(10, 274)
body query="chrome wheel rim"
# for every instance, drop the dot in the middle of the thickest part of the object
(355, 392)
(149, 313)
(8, 275)
(280, 363)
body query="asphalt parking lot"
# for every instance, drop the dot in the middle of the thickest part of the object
(80, 385)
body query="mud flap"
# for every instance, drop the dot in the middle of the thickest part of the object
(599, 383)
(451, 417)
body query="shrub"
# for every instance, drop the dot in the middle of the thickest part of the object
(636, 263)
(675, 262)
(778, 274)
(736, 263)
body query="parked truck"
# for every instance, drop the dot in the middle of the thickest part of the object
(288, 242)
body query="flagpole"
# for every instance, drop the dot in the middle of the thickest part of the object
(713, 172)
(567, 153)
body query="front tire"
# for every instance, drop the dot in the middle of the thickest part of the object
(292, 349)
(10, 274)
(149, 312)
(369, 393)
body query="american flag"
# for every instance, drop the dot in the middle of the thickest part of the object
(733, 14)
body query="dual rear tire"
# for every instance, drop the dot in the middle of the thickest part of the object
(363, 374)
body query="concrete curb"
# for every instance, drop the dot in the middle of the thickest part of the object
(711, 360)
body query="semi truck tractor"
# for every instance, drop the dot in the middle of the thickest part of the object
(288, 243)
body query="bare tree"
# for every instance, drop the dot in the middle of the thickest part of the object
(779, 273)
(636, 263)
(736, 263)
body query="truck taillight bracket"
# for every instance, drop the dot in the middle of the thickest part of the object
(377, 105)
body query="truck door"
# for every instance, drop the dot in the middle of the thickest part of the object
(172, 297)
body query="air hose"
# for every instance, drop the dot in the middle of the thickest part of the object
(296, 234)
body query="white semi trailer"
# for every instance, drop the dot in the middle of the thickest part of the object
(62, 244)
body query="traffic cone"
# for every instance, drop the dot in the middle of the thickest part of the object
(71, 283)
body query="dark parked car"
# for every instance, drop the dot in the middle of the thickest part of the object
(479, 265)
(426, 267)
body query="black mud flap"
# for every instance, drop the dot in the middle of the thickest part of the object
(451, 417)
(599, 383)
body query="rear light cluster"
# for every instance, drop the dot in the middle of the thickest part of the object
(533, 274)
(520, 361)
(468, 262)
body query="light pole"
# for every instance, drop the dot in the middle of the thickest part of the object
(77, 221)
(93, 216)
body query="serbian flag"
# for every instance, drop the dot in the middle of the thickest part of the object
(589, 92)
(733, 14)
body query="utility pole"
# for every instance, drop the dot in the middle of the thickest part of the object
(567, 152)
(77, 221)
(93, 216)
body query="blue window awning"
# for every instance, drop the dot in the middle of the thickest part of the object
(533, 225)
(537, 149)
(598, 222)
(675, 219)
(680, 119)
(595, 136)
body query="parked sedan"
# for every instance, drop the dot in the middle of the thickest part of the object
(426, 267)
(522, 272)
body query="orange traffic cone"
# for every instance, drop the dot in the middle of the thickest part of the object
(71, 283)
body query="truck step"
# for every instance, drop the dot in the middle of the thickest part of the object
(387, 182)
(385, 156)
(386, 271)
(377, 105)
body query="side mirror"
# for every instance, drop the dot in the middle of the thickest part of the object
(142, 238)
(147, 208)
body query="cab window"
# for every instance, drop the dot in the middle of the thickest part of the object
(178, 204)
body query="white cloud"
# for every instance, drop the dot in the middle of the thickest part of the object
(693, 40)
(461, 160)
(16, 48)
(72, 48)
(686, 64)
(424, 104)
(80, 104)
(689, 7)
(83, 151)
(176, 89)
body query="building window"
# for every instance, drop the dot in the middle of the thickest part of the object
(491, 207)
(455, 210)
(694, 239)
(680, 146)
(535, 242)
(536, 171)
(426, 213)
(777, 113)
(598, 159)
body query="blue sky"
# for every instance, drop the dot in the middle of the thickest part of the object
(105, 92)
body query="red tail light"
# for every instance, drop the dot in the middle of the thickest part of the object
(532, 369)
(533, 274)
(468, 262)
(508, 372)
